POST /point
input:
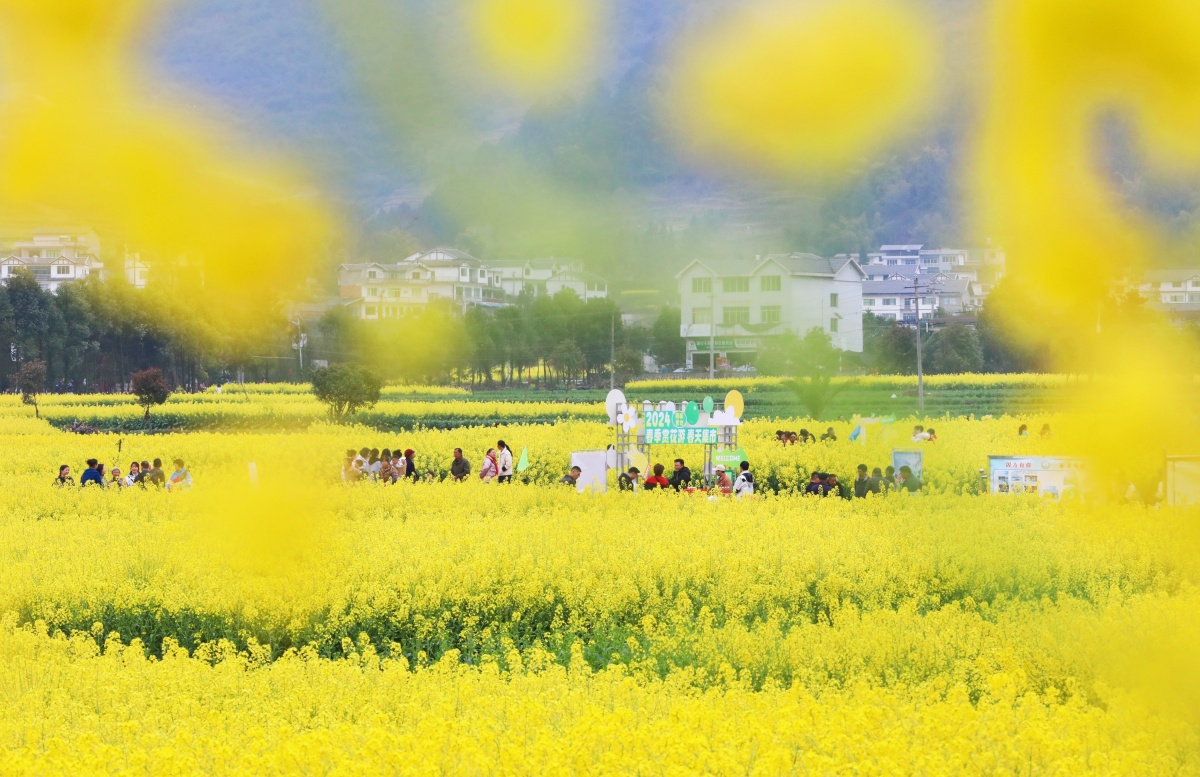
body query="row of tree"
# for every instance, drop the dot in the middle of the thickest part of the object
(536, 339)
(92, 335)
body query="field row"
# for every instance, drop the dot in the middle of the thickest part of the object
(72, 710)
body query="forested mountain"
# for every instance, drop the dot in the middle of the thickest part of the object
(615, 191)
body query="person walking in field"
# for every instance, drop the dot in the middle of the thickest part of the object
(116, 480)
(490, 468)
(64, 478)
(410, 466)
(91, 475)
(571, 478)
(505, 462)
(628, 480)
(181, 478)
(744, 485)
(460, 468)
(724, 482)
(134, 470)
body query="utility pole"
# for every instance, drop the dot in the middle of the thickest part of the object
(299, 343)
(919, 289)
(712, 332)
(612, 369)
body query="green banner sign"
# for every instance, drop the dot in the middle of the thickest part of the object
(731, 459)
(692, 435)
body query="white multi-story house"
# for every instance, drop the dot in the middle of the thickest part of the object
(374, 290)
(137, 269)
(729, 308)
(895, 299)
(1174, 293)
(981, 268)
(587, 286)
(55, 258)
(538, 277)
(1167, 288)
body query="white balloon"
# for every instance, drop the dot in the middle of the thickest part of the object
(615, 397)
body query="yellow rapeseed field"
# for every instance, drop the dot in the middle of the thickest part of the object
(307, 626)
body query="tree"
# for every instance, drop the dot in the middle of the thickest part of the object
(567, 359)
(808, 356)
(345, 389)
(151, 389)
(814, 361)
(955, 350)
(629, 363)
(816, 393)
(896, 352)
(31, 381)
(666, 346)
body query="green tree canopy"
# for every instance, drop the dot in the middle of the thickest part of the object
(345, 389)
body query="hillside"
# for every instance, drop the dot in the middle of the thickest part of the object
(293, 75)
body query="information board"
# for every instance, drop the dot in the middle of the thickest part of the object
(1048, 476)
(1183, 480)
(593, 467)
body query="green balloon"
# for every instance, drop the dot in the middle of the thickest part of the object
(692, 413)
(708, 404)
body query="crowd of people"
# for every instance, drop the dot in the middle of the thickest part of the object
(681, 479)
(877, 482)
(141, 473)
(388, 466)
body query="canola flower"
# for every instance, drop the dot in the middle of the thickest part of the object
(307, 625)
(73, 709)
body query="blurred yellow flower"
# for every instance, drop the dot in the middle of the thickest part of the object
(787, 87)
(536, 46)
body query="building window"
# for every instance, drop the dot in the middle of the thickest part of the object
(702, 285)
(833, 300)
(833, 325)
(372, 310)
(930, 260)
(701, 315)
(735, 285)
(736, 315)
(869, 303)
(772, 283)
(772, 314)
(416, 276)
(1194, 298)
(372, 292)
(891, 301)
(62, 269)
(372, 275)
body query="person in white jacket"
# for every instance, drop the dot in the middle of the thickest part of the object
(504, 462)
(744, 485)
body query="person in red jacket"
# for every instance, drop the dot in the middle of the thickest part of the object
(656, 480)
